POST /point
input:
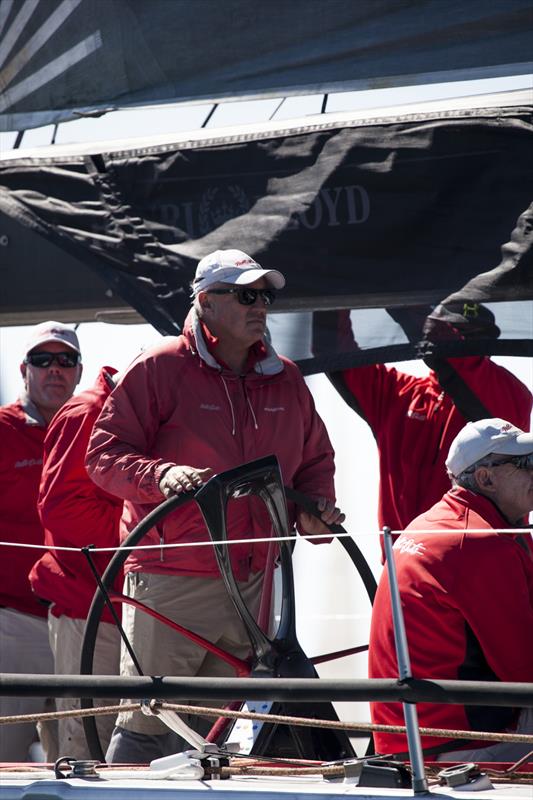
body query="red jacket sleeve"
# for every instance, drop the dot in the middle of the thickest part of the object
(315, 474)
(125, 432)
(501, 392)
(71, 507)
(377, 388)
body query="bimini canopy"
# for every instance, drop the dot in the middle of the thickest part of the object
(386, 218)
(60, 58)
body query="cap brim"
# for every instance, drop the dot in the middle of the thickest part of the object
(274, 278)
(521, 446)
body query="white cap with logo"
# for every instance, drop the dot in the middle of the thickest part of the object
(479, 439)
(234, 267)
(52, 332)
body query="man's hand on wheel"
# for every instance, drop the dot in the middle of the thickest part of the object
(329, 514)
(183, 479)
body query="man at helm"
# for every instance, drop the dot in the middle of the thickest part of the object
(207, 401)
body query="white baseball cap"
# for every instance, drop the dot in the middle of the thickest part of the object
(52, 332)
(478, 439)
(235, 267)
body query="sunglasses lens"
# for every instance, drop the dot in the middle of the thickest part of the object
(42, 359)
(67, 359)
(247, 297)
(525, 462)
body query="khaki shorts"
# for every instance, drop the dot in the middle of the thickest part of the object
(66, 638)
(24, 648)
(200, 604)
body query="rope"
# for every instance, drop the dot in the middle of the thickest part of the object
(101, 711)
(338, 771)
(364, 727)
(246, 769)
(258, 768)
(304, 722)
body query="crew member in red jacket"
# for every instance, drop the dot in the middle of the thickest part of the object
(467, 597)
(51, 369)
(212, 399)
(76, 513)
(415, 419)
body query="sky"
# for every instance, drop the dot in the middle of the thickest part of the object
(329, 617)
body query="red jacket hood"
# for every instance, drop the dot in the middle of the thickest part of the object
(270, 364)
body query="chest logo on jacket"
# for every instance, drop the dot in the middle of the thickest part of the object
(28, 462)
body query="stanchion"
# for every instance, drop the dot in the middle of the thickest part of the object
(416, 756)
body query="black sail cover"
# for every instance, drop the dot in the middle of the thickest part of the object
(398, 237)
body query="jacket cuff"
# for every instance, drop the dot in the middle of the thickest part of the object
(158, 474)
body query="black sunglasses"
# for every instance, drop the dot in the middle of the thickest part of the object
(247, 297)
(67, 359)
(520, 462)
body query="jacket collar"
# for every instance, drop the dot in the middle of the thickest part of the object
(31, 412)
(480, 505)
(270, 364)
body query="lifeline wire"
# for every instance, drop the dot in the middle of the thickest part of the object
(305, 537)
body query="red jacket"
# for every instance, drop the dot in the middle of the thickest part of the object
(467, 600)
(22, 432)
(74, 511)
(177, 405)
(414, 422)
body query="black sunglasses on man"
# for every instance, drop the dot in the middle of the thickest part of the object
(246, 296)
(66, 359)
